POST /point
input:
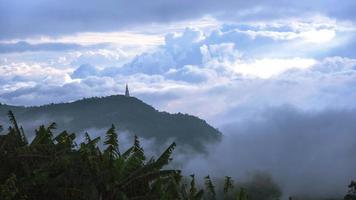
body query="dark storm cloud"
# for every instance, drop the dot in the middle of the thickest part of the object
(20, 18)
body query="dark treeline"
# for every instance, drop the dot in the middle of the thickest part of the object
(56, 167)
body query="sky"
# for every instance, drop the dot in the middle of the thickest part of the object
(272, 72)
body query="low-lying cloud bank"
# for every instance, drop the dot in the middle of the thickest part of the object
(306, 152)
(311, 153)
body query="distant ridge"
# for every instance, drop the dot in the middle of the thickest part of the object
(127, 113)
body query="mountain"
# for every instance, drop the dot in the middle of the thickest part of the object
(126, 113)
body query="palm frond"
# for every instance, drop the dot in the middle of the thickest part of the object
(210, 188)
(165, 157)
(228, 185)
(112, 149)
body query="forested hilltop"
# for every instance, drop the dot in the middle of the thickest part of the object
(126, 113)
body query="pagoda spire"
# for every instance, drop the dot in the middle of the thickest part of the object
(127, 93)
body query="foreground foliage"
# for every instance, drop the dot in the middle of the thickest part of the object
(351, 195)
(56, 167)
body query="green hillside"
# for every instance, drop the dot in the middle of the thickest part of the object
(127, 113)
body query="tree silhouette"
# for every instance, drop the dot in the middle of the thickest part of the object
(58, 168)
(351, 195)
(54, 166)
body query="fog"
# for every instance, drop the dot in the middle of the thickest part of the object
(306, 153)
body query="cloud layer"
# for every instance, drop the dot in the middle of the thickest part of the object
(234, 63)
(68, 17)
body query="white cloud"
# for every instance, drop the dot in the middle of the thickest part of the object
(266, 68)
(209, 73)
(22, 72)
(318, 36)
(100, 57)
(88, 38)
